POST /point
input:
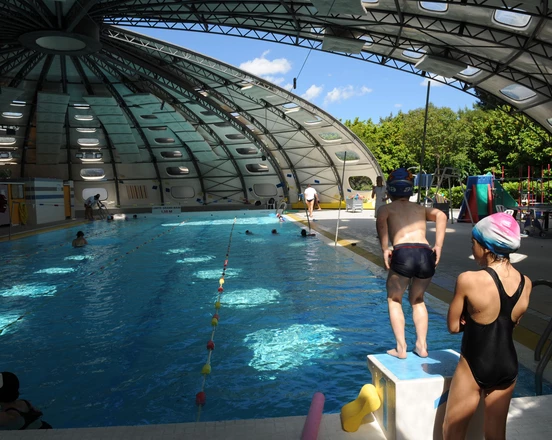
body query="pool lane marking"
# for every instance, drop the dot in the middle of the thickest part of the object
(206, 369)
(102, 268)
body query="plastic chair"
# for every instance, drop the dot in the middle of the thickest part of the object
(500, 208)
(271, 203)
(509, 212)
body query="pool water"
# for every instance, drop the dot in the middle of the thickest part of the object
(115, 333)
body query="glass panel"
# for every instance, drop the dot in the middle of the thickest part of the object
(92, 173)
(86, 130)
(171, 154)
(12, 115)
(434, 6)
(83, 142)
(247, 151)
(7, 141)
(84, 117)
(511, 18)
(470, 71)
(350, 155)
(148, 116)
(177, 171)
(257, 168)
(330, 136)
(518, 92)
(165, 140)
(414, 53)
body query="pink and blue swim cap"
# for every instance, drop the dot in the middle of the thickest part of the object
(499, 233)
(400, 183)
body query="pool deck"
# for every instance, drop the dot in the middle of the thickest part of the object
(528, 416)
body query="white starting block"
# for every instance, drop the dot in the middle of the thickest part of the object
(414, 392)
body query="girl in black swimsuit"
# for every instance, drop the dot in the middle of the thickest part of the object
(487, 305)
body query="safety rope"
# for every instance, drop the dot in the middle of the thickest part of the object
(206, 369)
(81, 280)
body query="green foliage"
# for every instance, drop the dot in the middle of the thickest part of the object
(475, 141)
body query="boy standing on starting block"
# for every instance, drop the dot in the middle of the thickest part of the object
(412, 260)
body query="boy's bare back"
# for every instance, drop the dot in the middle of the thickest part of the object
(405, 221)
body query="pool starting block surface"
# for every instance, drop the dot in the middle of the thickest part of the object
(414, 392)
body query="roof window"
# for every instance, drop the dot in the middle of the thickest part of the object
(89, 156)
(85, 142)
(18, 103)
(86, 130)
(171, 154)
(257, 168)
(511, 18)
(165, 140)
(347, 156)
(81, 106)
(177, 171)
(92, 173)
(157, 128)
(235, 137)
(7, 140)
(434, 6)
(85, 118)
(517, 92)
(414, 53)
(12, 115)
(470, 71)
(330, 136)
(148, 116)
(5, 156)
(247, 151)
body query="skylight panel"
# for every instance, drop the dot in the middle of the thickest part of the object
(88, 142)
(414, 53)
(514, 17)
(434, 6)
(7, 140)
(12, 115)
(85, 118)
(517, 92)
(470, 71)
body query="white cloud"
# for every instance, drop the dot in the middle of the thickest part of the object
(312, 92)
(342, 93)
(398, 105)
(274, 79)
(288, 87)
(266, 68)
(434, 83)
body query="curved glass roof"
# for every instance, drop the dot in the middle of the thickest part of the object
(67, 68)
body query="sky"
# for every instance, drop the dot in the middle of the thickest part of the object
(345, 88)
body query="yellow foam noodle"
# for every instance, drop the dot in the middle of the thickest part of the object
(352, 413)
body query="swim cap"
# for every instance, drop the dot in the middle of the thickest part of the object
(80, 234)
(499, 233)
(400, 183)
(9, 387)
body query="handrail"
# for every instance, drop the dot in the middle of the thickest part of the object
(543, 360)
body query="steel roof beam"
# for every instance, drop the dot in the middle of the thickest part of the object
(172, 81)
(124, 106)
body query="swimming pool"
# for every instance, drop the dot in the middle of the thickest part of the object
(115, 333)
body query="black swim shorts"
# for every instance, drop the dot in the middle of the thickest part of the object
(413, 260)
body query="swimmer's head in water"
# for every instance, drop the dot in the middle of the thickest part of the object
(9, 387)
(80, 234)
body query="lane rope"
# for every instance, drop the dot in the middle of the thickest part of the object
(206, 369)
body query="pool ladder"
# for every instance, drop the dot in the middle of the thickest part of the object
(542, 359)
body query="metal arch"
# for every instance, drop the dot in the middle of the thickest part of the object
(38, 88)
(82, 75)
(195, 66)
(16, 7)
(14, 61)
(122, 103)
(77, 12)
(174, 83)
(221, 97)
(63, 64)
(190, 116)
